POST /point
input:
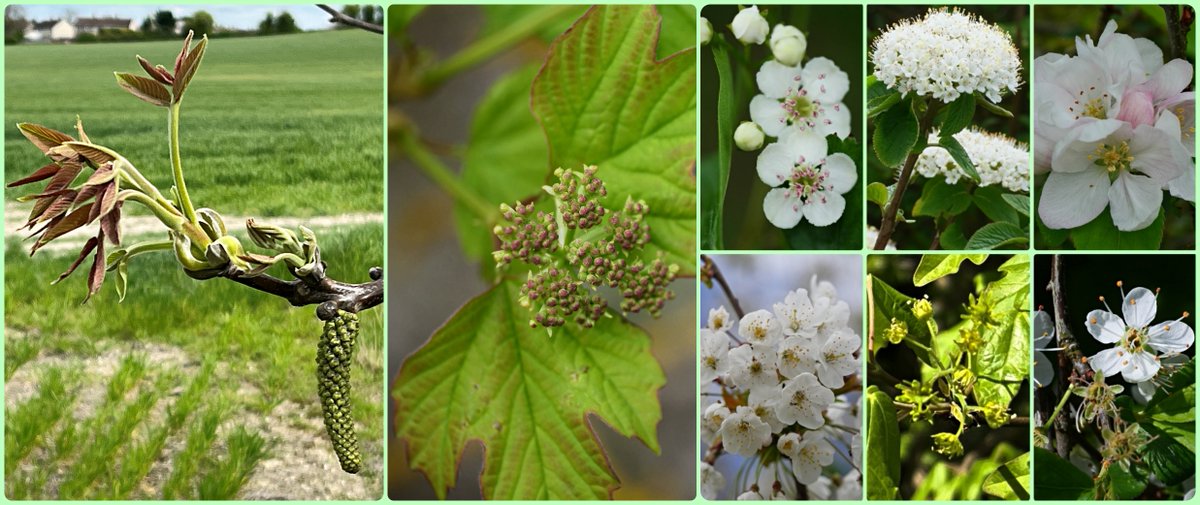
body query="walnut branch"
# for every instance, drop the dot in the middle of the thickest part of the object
(332, 295)
(338, 17)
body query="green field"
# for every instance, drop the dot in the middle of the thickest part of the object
(299, 115)
(196, 389)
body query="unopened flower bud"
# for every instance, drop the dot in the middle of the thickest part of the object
(788, 44)
(922, 309)
(749, 26)
(705, 30)
(748, 136)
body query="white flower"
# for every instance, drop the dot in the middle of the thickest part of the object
(1043, 338)
(836, 359)
(807, 98)
(748, 136)
(796, 314)
(804, 400)
(762, 401)
(749, 26)
(718, 319)
(1138, 342)
(760, 328)
(714, 416)
(797, 355)
(753, 367)
(773, 483)
(788, 45)
(809, 454)
(711, 482)
(714, 349)
(1139, 162)
(822, 290)
(807, 183)
(750, 496)
(944, 54)
(850, 488)
(998, 159)
(744, 433)
(706, 30)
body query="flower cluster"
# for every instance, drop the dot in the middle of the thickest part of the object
(1140, 345)
(580, 247)
(1115, 128)
(998, 158)
(778, 380)
(944, 54)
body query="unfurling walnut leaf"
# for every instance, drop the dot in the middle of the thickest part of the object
(146, 90)
(486, 375)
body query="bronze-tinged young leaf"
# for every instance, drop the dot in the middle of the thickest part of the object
(63, 225)
(43, 138)
(106, 199)
(157, 73)
(83, 254)
(183, 53)
(147, 90)
(79, 129)
(97, 154)
(96, 275)
(110, 223)
(486, 375)
(53, 208)
(40, 174)
(102, 175)
(183, 76)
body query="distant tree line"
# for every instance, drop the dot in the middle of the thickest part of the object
(163, 24)
(368, 13)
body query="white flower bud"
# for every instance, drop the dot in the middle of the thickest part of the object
(788, 44)
(749, 26)
(705, 30)
(748, 136)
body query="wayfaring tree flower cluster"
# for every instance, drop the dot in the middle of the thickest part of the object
(1115, 129)
(781, 377)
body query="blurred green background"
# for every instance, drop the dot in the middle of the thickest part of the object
(834, 32)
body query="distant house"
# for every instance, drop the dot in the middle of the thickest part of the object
(62, 30)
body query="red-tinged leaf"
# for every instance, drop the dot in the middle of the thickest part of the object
(147, 90)
(102, 175)
(40, 174)
(183, 53)
(63, 225)
(48, 194)
(63, 154)
(79, 128)
(87, 249)
(42, 137)
(85, 193)
(65, 176)
(98, 155)
(192, 62)
(96, 276)
(102, 196)
(157, 73)
(52, 208)
(110, 224)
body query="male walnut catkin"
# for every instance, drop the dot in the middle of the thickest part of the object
(334, 354)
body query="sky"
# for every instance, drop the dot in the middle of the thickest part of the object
(308, 17)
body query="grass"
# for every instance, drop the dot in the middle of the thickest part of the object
(258, 353)
(283, 125)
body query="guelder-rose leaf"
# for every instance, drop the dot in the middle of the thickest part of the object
(603, 98)
(486, 375)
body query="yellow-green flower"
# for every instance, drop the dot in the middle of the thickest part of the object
(896, 332)
(947, 444)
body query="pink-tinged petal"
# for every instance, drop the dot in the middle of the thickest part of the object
(1106, 362)
(777, 80)
(805, 146)
(1071, 200)
(1137, 107)
(1139, 367)
(1171, 337)
(783, 208)
(1105, 327)
(775, 164)
(1139, 307)
(1150, 55)
(841, 173)
(824, 208)
(1073, 151)
(768, 114)
(824, 81)
(1134, 201)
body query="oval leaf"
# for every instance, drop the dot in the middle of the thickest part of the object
(995, 235)
(147, 90)
(895, 133)
(883, 446)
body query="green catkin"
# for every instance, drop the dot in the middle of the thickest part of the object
(334, 355)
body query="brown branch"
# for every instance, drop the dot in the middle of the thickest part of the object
(888, 225)
(720, 278)
(338, 17)
(315, 289)
(1178, 23)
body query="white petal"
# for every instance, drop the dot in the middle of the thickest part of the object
(842, 173)
(805, 146)
(1171, 337)
(1134, 200)
(1043, 329)
(834, 120)
(1139, 307)
(1171, 79)
(1071, 200)
(824, 81)
(1073, 151)
(824, 208)
(777, 80)
(774, 164)
(1158, 154)
(1105, 327)
(1106, 362)
(1043, 370)
(1141, 367)
(768, 113)
(783, 208)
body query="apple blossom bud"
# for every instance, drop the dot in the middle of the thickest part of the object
(788, 44)
(1137, 107)
(748, 136)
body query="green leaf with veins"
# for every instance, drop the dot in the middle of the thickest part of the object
(935, 266)
(883, 446)
(1057, 479)
(1002, 365)
(505, 160)
(603, 98)
(1009, 481)
(888, 304)
(486, 375)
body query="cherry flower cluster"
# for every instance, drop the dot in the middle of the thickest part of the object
(999, 159)
(579, 247)
(1115, 128)
(779, 380)
(799, 104)
(947, 53)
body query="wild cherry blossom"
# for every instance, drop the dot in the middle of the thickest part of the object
(809, 454)
(760, 328)
(711, 482)
(753, 367)
(804, 399)
(714, 351)
(719, 320)
(1139, 343)
(744, 433)
(836, 358)
(807, 182)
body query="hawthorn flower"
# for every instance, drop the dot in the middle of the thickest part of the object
(753, 367)
(836, 358)
(809, 454)
(718, 319)
(808, 182)
(998, 159)
(947, 53)
(1139, 343)
(749, 26)
(1043, 336)
(711, 481)
(804, 400)
(1109, 163)
(760, 328)
(744, 433)
(788, 44)
(706, 30)
(808, 98)
(714, 351)
(748, 136)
